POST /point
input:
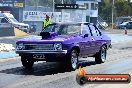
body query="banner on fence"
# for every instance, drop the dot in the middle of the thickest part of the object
(39, 16)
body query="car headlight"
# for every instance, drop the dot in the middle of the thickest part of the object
(20, 46)
(58, 46)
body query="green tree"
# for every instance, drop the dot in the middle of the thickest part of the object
(105, 10)
(123, 8)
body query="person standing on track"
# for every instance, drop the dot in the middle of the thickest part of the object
(46, 22)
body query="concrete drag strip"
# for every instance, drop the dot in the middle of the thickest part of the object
(118, 38)
(6, 55)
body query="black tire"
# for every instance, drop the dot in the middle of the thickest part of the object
(71, 62)
(101, 56)
(27, 62)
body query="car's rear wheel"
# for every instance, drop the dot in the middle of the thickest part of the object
(72, 60)
(101, 56)
(27, 62)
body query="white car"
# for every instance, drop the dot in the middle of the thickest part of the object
(104, 24)
(8, 18)
(127, 25)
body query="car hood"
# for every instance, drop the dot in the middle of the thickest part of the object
(38, 39)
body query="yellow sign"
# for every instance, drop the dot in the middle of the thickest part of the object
(18, 4)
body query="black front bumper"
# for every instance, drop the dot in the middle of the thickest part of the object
(42, 51)
(50, 55)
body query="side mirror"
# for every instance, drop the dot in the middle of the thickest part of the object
(86, 35)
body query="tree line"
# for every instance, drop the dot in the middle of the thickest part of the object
(120, 8)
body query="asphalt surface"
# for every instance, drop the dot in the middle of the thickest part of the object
(51, 75)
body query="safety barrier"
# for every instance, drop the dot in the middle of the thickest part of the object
(6, 31)
(9, 30)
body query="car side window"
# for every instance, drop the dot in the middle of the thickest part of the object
(95, 32)
(85, 30)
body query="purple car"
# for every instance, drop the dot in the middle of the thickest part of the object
(64, 42)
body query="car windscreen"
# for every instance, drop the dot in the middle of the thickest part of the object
(64, 29)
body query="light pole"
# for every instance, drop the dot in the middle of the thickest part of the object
(112, 14)
(36, 4)
(53, 6)
(62, 2)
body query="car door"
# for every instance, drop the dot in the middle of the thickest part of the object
(95, 45)
(100, 38)
(86, 41)
(130, 25)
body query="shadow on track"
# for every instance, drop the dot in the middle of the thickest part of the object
(43, 69)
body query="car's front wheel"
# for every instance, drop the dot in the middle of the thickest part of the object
(101, 56)
(72, 60)
(27, 62)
